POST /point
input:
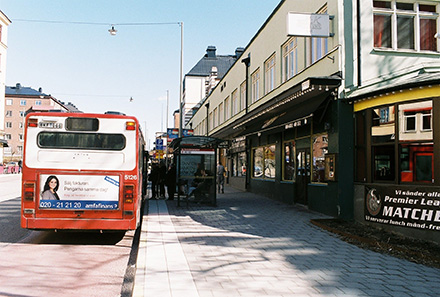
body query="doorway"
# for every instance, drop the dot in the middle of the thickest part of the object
(302, 175)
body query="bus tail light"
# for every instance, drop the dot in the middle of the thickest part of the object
(33, 123)
(130, 125)
(29, 191)
(128, 193)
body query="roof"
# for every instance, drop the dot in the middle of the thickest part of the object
(422, 78)
(23, 91)
(204, 66)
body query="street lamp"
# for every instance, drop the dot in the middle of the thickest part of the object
(113, 31)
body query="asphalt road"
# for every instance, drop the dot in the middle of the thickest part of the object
(42, 263)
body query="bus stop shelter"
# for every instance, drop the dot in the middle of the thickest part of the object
(195, 158)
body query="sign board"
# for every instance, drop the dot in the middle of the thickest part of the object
(80, 192)
(308, 24)
(416, 207)
(173, 133)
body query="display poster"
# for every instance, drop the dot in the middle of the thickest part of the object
(60, 191)
(415, 207)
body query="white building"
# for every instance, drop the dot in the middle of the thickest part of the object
(4, 23)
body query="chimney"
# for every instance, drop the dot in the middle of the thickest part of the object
(40, 90)
(238, 52)
(210, 51)
(17, 85)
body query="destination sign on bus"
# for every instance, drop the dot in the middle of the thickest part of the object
(79, 192)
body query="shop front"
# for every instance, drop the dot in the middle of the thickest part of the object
(397, 137)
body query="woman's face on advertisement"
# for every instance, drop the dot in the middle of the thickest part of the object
(52, 183)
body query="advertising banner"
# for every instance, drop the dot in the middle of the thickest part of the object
(417, 207)
(309, 25)
(79, 191)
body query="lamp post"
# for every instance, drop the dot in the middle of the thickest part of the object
(113, 31)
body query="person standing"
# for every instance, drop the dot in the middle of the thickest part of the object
(162, 175)
(220, 177)
(154, 178)
(170, 181)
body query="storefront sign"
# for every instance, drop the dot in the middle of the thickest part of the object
(310, 25)
(403, 206)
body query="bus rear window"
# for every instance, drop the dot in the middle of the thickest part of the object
(82, 124)
(81, 141)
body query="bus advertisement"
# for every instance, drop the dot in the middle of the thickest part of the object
(82, 172)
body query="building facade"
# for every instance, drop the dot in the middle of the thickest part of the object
(18, 101)
(334, 122)
(4, 23)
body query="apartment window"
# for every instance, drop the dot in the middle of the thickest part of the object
(221, 112)
(227, 108)
(211, 122)
(9, 113)
(214, 118)
(22, 102)
(318, 48)
(269, 75)
(255, 86)
(8, 102)
(38, 102)
(22, 113)
(243, 96)
(403, 25)
(20, 125)
(290, 59)
(8, 136)
(8, 124)
(20, 137)
(235, 103)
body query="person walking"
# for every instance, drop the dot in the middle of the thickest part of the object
(220, 177)
(170, 181)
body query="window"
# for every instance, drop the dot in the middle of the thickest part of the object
(221, 112)
(289, 161)
(243, 96)
(320, 148)
(255, 86)
(264, 162)
(401, 143)
(9, 113)
(235, 103)
(239, 164)
(86, 141)
(20, 137)
(318, 48)
(8, 124)
(22, 113)
(8, 136)
(403, 25)
(269, 75)
(22, 102)
(214, 118)
(38, 102)
(227, 109)
(290, 59)
(8, 102)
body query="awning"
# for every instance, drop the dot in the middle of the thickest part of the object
(4, 143)
(292, 105)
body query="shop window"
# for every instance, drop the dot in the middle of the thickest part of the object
(384, 167)
(239, 164)
(404, 25)
(416, 162)
(264, 162)
(383, 127)
(320, 148)
(289, 161)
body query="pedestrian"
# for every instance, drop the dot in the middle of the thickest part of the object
(220, 177)
(170, 181)
(162, 175)
(154, 178)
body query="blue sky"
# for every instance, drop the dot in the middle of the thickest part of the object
(83, 64)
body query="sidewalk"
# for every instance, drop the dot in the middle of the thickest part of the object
(253, 246)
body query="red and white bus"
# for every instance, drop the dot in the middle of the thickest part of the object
(82, 172)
